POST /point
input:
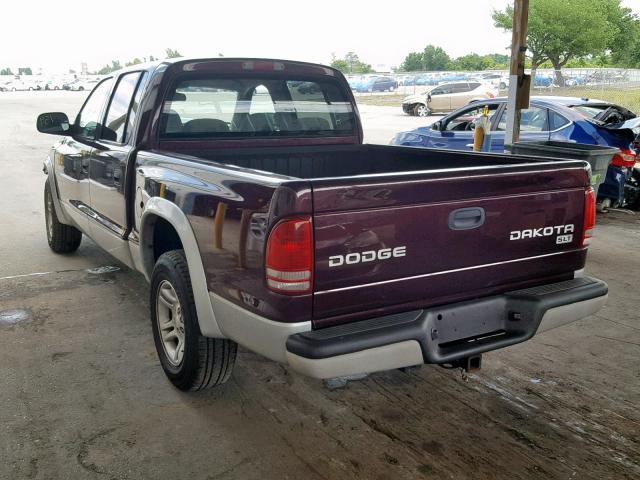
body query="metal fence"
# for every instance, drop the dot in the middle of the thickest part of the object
(619, 86)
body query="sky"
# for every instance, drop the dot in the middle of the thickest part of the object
(56, 36)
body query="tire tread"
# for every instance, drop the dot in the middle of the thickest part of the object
(64, 238)
(216, 356)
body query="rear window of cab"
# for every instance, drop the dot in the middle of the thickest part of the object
(255, 106)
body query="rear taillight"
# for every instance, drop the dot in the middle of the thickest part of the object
(626, 158)
(289, 256)
(490, 95)
(589, 216)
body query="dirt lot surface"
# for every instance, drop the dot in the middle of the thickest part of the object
(83, 394)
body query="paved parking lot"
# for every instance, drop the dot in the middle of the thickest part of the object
(83, 394)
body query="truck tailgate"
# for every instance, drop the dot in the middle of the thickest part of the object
(439, 236)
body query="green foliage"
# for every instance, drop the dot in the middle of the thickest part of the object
(115, 65)
(435, 58)
(6, 71)
(135, 61)
(624, 46)
(172, 53)
(351, 63)
(25, 71)
(413, 62)
(561, 32)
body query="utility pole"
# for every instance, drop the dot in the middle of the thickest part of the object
(519, 83)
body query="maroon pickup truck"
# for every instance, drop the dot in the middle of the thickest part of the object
(242, 191)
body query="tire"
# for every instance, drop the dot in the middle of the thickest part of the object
(392, 88)
(61, 238)
(421, 110)
(502, 86)
(190, 361)
(80, 89)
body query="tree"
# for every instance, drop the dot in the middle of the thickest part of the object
(135, 61)
(624, 46)
(435, 58)
(115, 65)
(471, 61)
(172, 53)
(6, 71)
(351, 63)
(560, 30)
(413, 62)
(25, 71)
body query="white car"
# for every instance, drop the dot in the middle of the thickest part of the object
(81, 85)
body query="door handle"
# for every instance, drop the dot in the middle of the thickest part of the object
(466, 218)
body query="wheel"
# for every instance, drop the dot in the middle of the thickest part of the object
(56, 88)
(190, 361)
(61, 238)
(80, 89)
(502, 86)
(421, 110)
(392, 88)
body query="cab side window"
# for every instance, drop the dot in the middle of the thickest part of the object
(118, 110)
(90, 116)
(532, 119)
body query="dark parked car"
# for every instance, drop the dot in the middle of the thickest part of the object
(377, 84)
(260, 218)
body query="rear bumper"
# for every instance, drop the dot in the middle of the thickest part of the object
(443, 334)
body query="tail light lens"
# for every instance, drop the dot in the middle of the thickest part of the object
(289, 257)
(589, 216)
(626, 158)
(490, 95)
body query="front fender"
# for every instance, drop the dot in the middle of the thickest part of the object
(48, 170)
(160, 207)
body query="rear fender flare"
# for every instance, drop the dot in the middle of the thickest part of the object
(160, 207)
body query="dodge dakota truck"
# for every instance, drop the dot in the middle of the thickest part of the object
(242, 190)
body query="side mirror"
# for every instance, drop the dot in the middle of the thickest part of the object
(54, 123)
(437, 125)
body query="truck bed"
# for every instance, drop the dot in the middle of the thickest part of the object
(365, 198)
(349, 160)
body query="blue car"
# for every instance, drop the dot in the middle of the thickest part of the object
(376, 84)
(548, 118)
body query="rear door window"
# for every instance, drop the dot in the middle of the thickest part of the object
(460, 87)
(532, 119)
(443, 89)
(116, 120)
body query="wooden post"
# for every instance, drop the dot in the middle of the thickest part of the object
(518, 84)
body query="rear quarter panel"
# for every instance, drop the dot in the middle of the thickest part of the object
(229, 210)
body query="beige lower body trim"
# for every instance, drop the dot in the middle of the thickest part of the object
(388, 357)
(254, 332)
(556, 317)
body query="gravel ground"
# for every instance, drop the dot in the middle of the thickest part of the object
(83, 394)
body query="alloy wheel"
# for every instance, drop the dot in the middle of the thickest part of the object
(170, 322)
